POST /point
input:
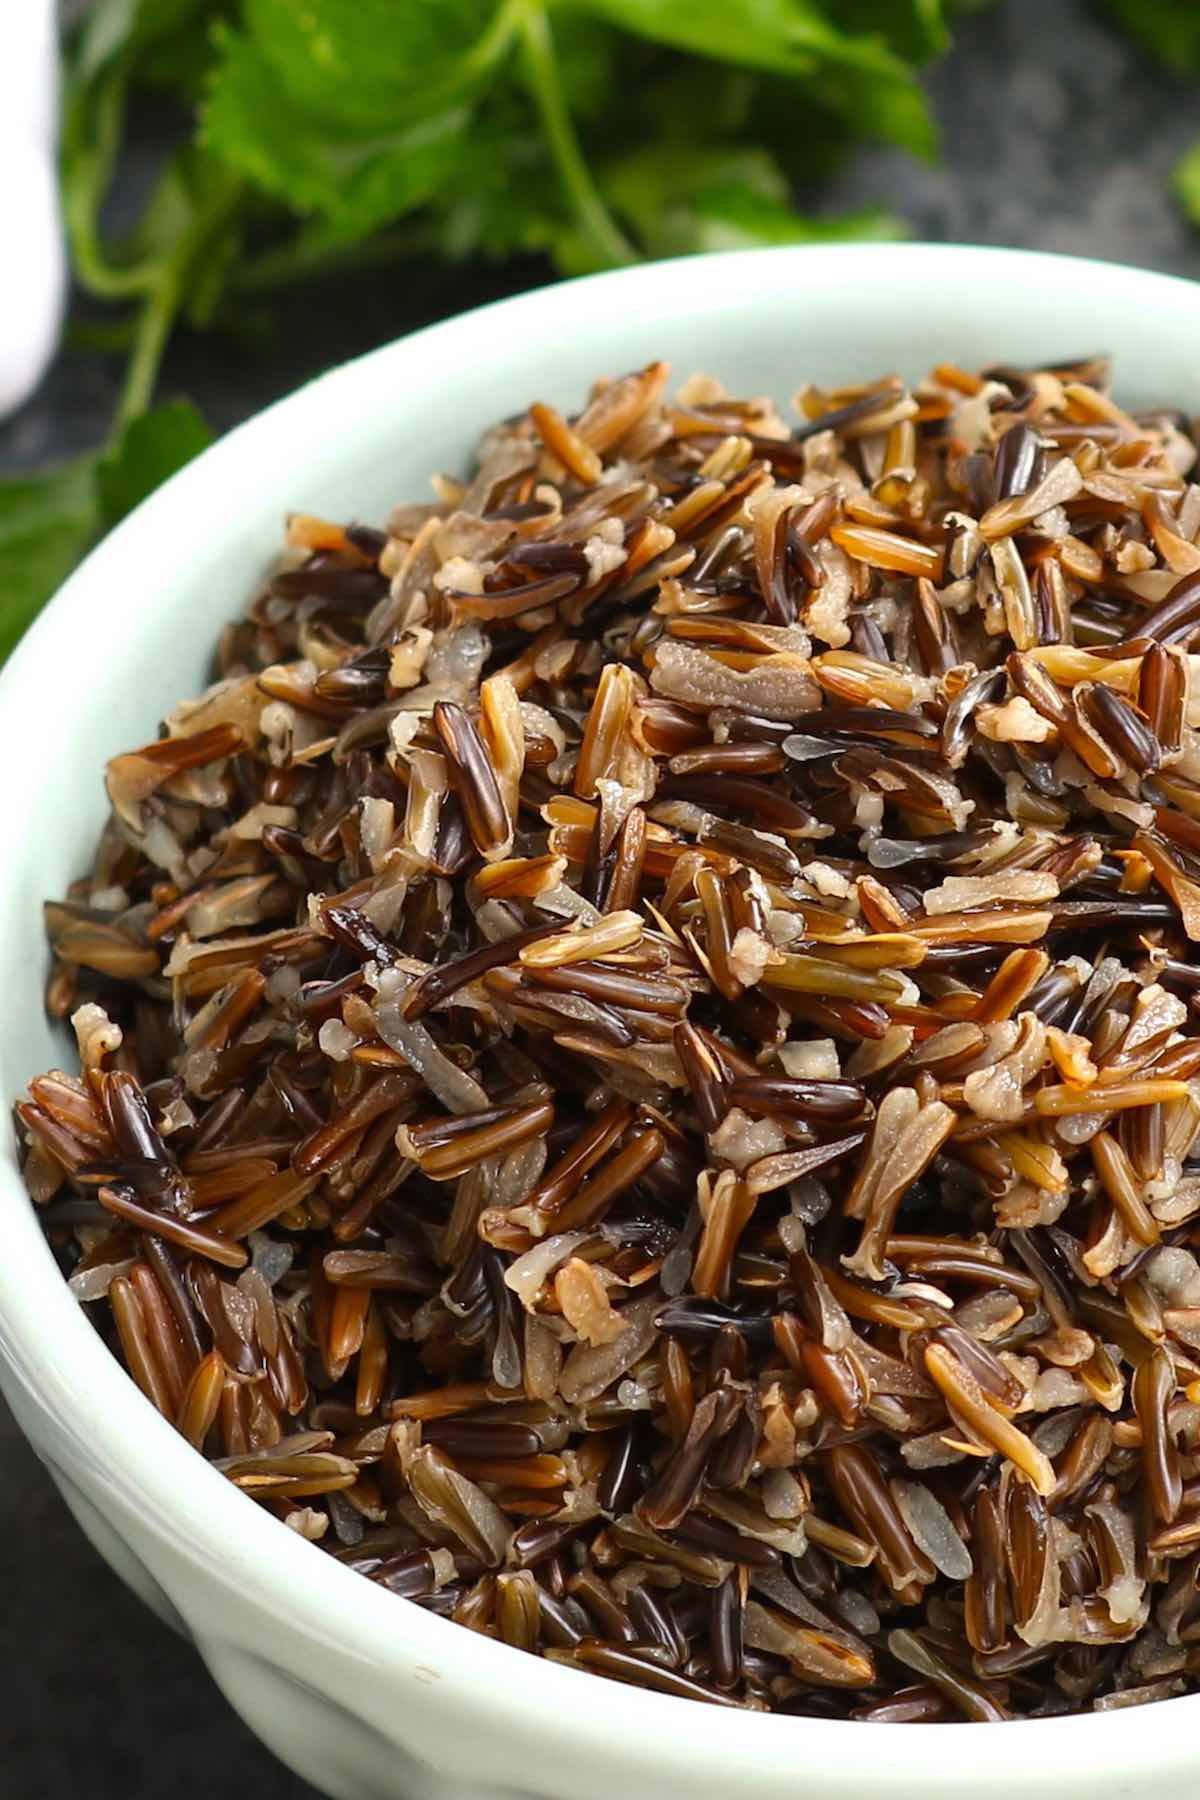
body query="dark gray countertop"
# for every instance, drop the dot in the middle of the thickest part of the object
(1057, 136)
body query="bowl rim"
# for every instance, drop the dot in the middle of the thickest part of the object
(53, 1352)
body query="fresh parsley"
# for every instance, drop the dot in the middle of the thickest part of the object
(340, 133)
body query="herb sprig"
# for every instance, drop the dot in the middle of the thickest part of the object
(360, 134)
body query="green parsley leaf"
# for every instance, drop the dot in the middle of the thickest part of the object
(47, 521)
(1168, 30)
(792, 37)
(505, 198)
(346, 109)
(315, 163)
(855, 76)
(913, 29)
(862, 104)
(680, 199)
(363, 66)
(148, 450)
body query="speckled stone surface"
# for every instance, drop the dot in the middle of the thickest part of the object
(1056, 135)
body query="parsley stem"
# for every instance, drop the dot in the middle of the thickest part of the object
(545, 85)
(491, 46)
(149, 341)
(165, 297)
(91, 141)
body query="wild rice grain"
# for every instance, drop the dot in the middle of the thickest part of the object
(639, 1047)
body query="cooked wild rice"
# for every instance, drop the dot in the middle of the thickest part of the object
(640, 1061)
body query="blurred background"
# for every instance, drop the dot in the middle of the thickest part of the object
(248, 205)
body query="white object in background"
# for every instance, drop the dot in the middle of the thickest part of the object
(31, 297)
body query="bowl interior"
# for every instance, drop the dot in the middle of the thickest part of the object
(133, 629)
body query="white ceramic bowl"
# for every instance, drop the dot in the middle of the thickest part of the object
(364, 1695)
